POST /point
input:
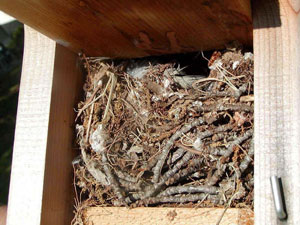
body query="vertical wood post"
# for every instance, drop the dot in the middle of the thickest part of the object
(41, 184)
(277, 106)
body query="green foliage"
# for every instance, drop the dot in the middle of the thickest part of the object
(9, 89)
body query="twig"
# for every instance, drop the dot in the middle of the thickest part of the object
(248, 158)
(129, 186)
(90, 101)
(125, 176)
(223, 213)
(176, 167)
(226, 107)
(216, 151)
(94, 169)
(177, 199)
(189, 149)
(110, 176)
(218, 129)
(193, 166)
(221, 170)
(217, 174)
(177, 155)
(112, 87)
(189, 189)
(225, 77)
(213, 79)
(169, 144)
(238, 141)
(89, 125)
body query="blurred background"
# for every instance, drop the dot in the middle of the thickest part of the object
(11, 52)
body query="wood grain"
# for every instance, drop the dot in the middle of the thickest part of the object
(132, 28)
(175, 216)
(277, 106)
(41, 184)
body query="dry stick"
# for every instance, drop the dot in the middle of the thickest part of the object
(221, 170)
(218, 137)
(238, 141)
(211, 79)
(89, 102)
(189, 189)
(223, 213)
(177, 155)
(168, 146)
(129, 186)
(125, 176)
(110, 176)
(217, 174)
(89, 124)
(94, 168)
(162, 182)
(134, 196)
(206, 134)
(227, 93)
(226, 107)
(189, 149)
(176, 167)
(193, 165)
(226, 78)
(112, 87)
(158, 186)
(216, 151)
(248, 158)
(209, 133)
(177, 199)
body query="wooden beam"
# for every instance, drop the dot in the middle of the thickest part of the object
(133, 28)
(200, 216)
(277, 106)
(41, 177)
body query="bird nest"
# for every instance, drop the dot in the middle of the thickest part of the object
(153, 135)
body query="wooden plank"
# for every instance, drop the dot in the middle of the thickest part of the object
(277, 106)
(136, 28)
(3, 210)
(41, 184)
(200, 216)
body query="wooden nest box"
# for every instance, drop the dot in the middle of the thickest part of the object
(41, 190)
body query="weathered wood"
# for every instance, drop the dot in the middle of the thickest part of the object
(277, 106)
(200, 216)
(136, 28)
(41, 178)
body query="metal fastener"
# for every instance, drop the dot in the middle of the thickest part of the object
(278, 197)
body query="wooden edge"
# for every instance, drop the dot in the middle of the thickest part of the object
(277, 107)
(149, 215)
(58, 193)
(3, 212)
(133, 28)
(41, 184)
(27, 174)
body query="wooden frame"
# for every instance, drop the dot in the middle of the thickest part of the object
(277, 106)
(41, 187)
(131, 28)
(40, 191)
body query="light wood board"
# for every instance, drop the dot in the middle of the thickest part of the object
(41, 177)
(132, 28)
(277, 106)
(161, 216)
